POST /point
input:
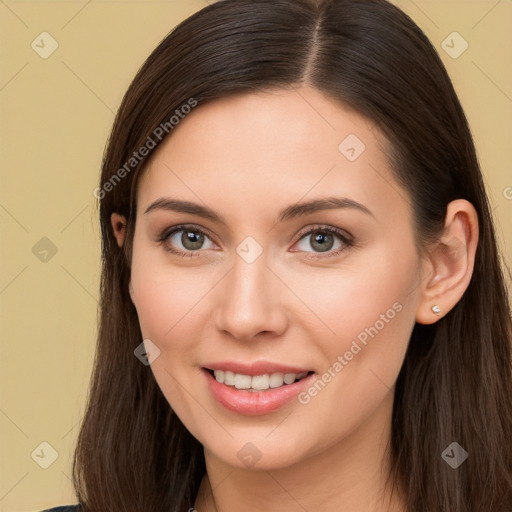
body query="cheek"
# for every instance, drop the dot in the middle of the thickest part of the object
(168, 302)
(167, 299)
(372, 314)
(367, 311)
(160, 302)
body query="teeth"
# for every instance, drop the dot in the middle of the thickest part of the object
(258, 382)
(242, 381)
(276, 380)
(289, 378)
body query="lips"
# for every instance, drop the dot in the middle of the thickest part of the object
(256, 368)
(255, 389)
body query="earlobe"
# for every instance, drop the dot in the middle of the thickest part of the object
(119, 227)
(450, 261)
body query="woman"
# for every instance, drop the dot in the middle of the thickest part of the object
(302, 306)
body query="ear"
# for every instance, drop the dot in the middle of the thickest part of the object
(119, 227)
(449, 263)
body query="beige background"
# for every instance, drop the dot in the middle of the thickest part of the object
(56, 115)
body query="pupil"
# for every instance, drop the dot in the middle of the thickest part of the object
(192, 240)
(322, 242)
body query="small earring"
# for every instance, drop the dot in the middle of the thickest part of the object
(437, 310)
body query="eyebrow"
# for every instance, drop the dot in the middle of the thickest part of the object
(292, 211)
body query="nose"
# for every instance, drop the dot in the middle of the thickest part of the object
(250, 301)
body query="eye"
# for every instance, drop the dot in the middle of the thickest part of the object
(186, 240)
(326, 239)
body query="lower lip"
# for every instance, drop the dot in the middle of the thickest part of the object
(258, 402)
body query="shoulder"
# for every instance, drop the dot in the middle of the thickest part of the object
(66, 508)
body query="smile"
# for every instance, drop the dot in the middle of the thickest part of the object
(255, 389)
(257, 382)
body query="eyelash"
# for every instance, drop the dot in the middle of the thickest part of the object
(346, 239)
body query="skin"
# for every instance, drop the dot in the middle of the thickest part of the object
(247, 157)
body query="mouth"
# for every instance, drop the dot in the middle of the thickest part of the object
(256, 383)
(255, 392)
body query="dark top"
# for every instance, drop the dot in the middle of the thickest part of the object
(67, 508)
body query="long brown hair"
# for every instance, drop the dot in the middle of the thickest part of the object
(133, 453)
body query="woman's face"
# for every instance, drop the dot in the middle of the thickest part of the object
(273, 242)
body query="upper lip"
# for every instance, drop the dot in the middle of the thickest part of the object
(256, 368)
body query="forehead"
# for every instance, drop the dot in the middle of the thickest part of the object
(271, 147)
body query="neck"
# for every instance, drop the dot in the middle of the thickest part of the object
(350, 476)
